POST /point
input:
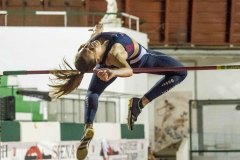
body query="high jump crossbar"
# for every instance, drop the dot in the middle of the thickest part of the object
(135, 70)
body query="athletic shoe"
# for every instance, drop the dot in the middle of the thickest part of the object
(133, 111)
(82, 150)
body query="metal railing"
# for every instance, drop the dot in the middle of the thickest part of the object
(130, 17)
(5, 16)
(56, 13)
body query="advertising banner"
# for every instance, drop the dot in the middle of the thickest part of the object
(66, 150)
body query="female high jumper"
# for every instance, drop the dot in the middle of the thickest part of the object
(110, 55)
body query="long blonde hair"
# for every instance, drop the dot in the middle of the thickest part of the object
(64, 81)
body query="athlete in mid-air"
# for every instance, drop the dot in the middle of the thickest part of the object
(111, 55)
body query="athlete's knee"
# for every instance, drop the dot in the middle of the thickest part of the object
(180, 76)
(183, 75)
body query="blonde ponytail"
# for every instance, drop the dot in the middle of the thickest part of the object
(64, 81)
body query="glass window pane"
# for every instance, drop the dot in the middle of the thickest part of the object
(72, 110)
(106, 112)
(101, 112)
(54, 110)
(82, 110)
(78, 111)
(67, 108)
(68, 105)
(111, 112)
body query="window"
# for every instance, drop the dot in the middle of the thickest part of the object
(72, 110)
(106, 112)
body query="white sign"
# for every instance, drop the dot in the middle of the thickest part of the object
(66, 150)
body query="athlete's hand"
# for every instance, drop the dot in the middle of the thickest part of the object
(105, 74)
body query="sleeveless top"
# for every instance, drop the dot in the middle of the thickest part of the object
(115, 37)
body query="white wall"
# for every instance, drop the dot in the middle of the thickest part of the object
(110, 131)
(220, 84)
(41, 131)
(183, 150)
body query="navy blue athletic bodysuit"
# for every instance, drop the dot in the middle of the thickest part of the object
(144, 58)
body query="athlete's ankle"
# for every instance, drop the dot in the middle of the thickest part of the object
(88, 125)
(140, 104)
(144, 101)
